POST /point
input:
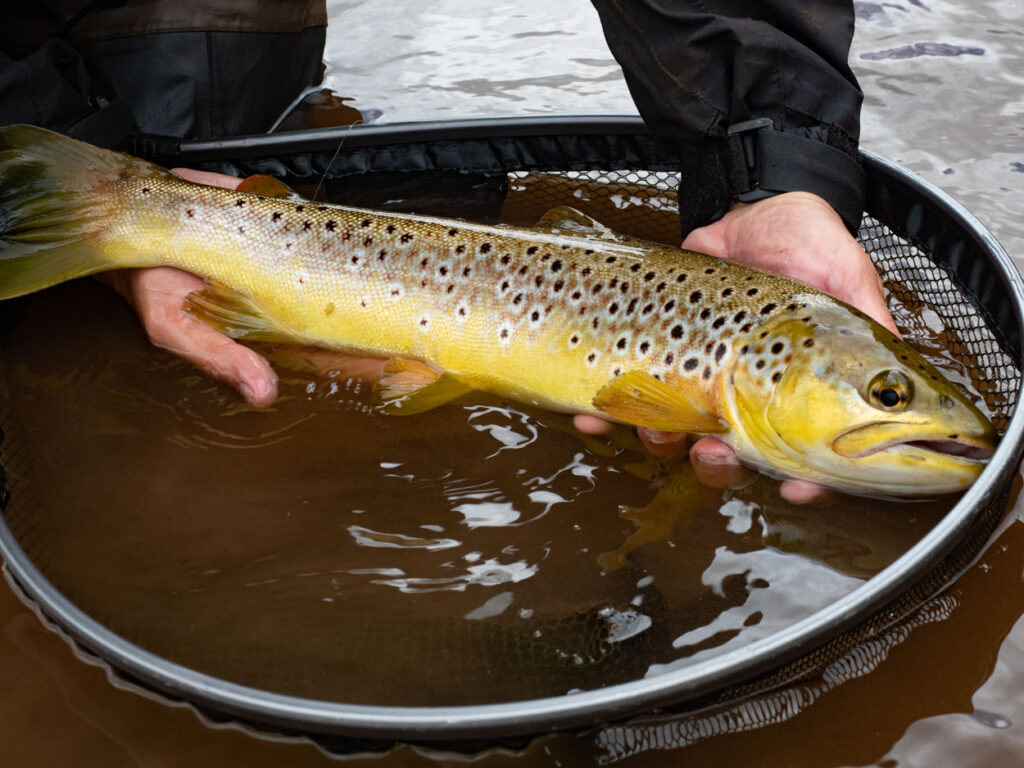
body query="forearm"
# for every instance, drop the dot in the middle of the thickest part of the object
(697, 68)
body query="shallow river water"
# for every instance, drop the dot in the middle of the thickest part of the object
(944, 96)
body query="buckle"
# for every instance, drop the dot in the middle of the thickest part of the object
(744, 147)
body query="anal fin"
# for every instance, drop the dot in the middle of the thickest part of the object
(638, 398)
(410, 386)
(234, 315)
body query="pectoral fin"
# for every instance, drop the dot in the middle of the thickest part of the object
(639, 398)
(234, 315)
(268, 186)
(410, 386)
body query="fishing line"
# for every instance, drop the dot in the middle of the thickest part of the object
(333, 158)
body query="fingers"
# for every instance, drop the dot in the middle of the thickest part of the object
(716, 464)
(209, 178)
(592, 425)
(158, 295)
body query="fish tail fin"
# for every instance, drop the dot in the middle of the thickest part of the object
(50, 211)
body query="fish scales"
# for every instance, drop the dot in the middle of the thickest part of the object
(502, 308)
(566, 315)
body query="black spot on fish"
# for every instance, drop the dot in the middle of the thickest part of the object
(695, 297)
(405, 238)
(539, 281)
(504, 333)
(745, 327)
(727, 293)
(597, 288)
(524, 269)
(366, 222)
(634, 267)
(613, 282)
(810, 343)
(452, 232)
(506, 259)
(382, 255)
(777, 377)
(611, 260)
(535, 315)
(442, 270)
(681, 277)
(241, 230)
(396, 291)
(504, 285)
(324, 208)
(466, 272)
(738, 317)
(670, 305)
(595, 323)
(719, 322)
(767, 309)
(462, 311)
(759, 364)
(485, 248)
(648, 308)
(707, 372)
(661, 287)
(589, 251)
(331, 225)
(677, 332)
(617, 372)
(575, 339)
(708, 347)
(425, 262)
(556, 265)
(460, 249)
(649, 276)
(559, 284)
(300, 208)
(791, 307)
(307, 225)
(752, 292)
(669, 358)
(744, 349)
(424, 322)
(720, 353)
(275, 216)
(632, 306)
(355, 259)
(591, 357)
(691, 364)
(368, 242)
(518, 299)
(532, 250)
(145, 191)
(644, 346)
(190, 213)
(777, 347)
(576, 295)
(391, 229)
(586, 271)
(709, 271)
(239, 203)
(613, 308)
(621, 343)
(705, 313)
(450, 288)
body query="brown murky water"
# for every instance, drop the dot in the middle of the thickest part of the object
(458, 541)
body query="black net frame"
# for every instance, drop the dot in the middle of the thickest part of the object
(927, 248)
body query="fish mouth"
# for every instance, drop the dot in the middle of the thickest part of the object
(879, 437)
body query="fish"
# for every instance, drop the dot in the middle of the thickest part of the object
(567, 315)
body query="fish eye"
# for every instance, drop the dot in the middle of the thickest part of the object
(890, 390)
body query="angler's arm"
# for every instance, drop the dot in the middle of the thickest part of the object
(697, 70)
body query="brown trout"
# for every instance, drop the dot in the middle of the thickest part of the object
(567, 315)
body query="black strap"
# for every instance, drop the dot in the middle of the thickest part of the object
(766, 162)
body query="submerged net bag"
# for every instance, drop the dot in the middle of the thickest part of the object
(939, 265)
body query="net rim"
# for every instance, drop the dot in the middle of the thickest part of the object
(530, 716)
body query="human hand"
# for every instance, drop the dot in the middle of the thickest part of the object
(158, 295)
(798, 235)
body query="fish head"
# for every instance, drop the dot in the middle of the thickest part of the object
(828, 395)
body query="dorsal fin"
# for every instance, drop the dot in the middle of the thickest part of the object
(268, 186)
(566, 220)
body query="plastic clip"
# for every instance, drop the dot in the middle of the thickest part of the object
(744, 145)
